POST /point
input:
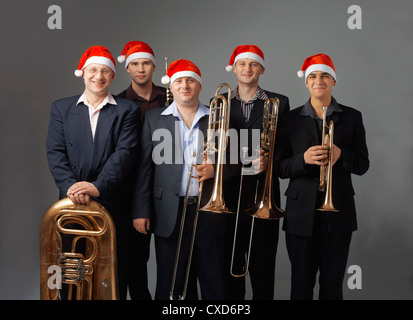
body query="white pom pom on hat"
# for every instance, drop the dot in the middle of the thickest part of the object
(78, 73)
(165, 79)
(121, 59)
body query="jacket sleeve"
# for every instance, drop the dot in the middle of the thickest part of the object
(57, 156)
(356, 158)
(142, 198)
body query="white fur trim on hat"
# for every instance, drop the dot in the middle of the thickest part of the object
(320, 67)
(101, 60)
(138, 55)
(181, 74)
(249, 55)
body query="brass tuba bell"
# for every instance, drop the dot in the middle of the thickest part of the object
(90, 275)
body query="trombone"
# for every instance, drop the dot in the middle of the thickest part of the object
(219, 114)
(218, 118)
(326, 171)
(264, 206)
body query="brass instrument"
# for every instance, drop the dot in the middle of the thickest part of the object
(181, 231)
(93, 274)
(169, 95)
(326, 171)
(219, 116)
(264, 206)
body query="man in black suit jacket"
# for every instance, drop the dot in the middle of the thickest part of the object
(140, 63)
(92, 145)
(316, 240)
(169, 135)
(247, 105)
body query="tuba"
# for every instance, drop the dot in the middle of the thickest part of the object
(90, 275)
(326, 171)
(219, 116)
(264, 206)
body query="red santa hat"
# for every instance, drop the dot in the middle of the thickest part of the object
(317, 62)
(95, 54)
(245, 51)
(134, 50)
(181, 68)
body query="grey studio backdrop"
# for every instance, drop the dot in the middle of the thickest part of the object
(374, 76)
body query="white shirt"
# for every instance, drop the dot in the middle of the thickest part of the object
(94, 113)
(189, 142)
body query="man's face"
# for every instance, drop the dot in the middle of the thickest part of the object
(320, 84)
(248, 71)
(186, 91)
(98, 79)
(141, 70)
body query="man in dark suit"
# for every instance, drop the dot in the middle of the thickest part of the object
(320, 240)
(92, 145)
(247, 105)
(140, 63)
(169, 136)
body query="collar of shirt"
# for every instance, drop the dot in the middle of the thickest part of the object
(173, 110)
(108, 99)
(131, 94)
(308, 110)
(189, 143)
(259, 95)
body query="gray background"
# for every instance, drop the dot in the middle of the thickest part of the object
(374, 75)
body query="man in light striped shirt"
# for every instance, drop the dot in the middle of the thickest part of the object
(247, 104)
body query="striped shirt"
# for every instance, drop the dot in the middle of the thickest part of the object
(247, 106)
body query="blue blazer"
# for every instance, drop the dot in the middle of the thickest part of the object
(107, 161)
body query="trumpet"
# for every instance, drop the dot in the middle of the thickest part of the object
(93, 273)
(169, 95)
(264, 206)
(218, 117)
(326, 171)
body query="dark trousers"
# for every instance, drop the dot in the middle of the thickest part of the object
(133, 249)
(323, 252)
(207, 260)
(262, 258)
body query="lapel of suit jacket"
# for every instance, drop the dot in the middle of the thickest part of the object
(256, 113)
(172, 125)
(237, 117)
(103, 128)
(84, 138)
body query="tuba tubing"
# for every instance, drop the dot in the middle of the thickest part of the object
(94, 272)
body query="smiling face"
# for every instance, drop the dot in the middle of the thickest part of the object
(320, 84)
(248, 71)
(141, 70)
(98, 79)
(186, 91)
